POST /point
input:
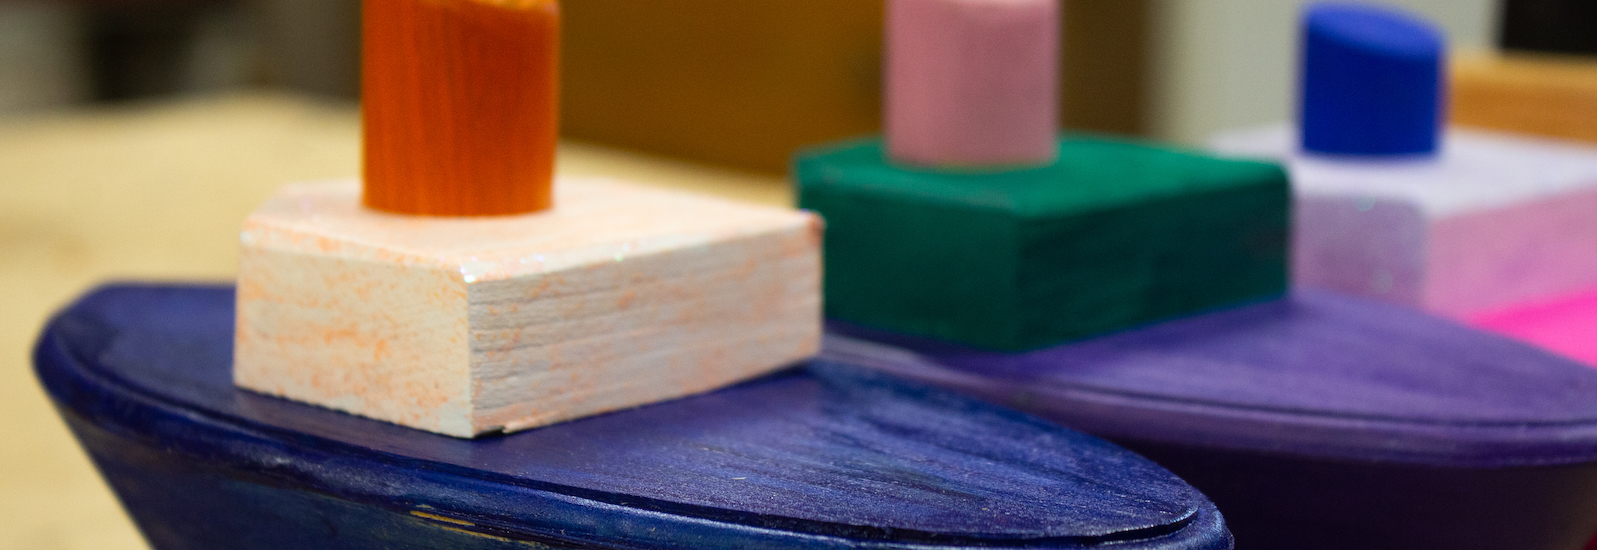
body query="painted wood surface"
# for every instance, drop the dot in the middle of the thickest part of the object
(1547, 95)
(1492, 221)
(972, 82)
(829, 455)
(623, 295)
(1370, 80)
(1318, 421)
(459, 100)
(1113, 234)
(1566, 325)
(132, 191)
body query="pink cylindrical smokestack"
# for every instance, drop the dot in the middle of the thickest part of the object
(972, 82)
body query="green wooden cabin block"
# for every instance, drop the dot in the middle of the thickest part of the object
(1113, 235)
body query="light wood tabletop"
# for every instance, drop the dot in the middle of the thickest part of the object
(158, 192)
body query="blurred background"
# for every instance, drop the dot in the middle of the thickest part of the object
(135, 135)
(734, 82)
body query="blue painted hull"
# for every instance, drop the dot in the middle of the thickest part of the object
(827, 456)
(183, 503)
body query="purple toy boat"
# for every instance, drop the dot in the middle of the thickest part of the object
(1316, 421)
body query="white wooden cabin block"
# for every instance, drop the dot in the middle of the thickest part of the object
(620, 296)
(1494, 220)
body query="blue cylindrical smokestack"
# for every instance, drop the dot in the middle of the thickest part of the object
(1371, 81)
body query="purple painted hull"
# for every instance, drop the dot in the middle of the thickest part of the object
(1316, 421)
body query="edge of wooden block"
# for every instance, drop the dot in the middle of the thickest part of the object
(309, 302)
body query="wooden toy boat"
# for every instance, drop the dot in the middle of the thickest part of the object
(826, 455)
(1316, 421)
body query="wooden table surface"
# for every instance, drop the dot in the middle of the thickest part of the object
(157, 192)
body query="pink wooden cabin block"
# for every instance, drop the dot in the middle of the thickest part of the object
(972, 82)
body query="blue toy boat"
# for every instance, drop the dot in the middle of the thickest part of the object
(826, 455)
(1316, 421)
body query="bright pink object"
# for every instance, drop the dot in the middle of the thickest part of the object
(972, 82)
(1566, 326)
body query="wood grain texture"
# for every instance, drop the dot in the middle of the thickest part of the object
(1493, 220)
(622, 296)
(1319, 421)
(1547, 95)
(460, 100)
(157, 191)
(828, 456)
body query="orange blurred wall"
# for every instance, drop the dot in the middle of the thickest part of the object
(1541, 94)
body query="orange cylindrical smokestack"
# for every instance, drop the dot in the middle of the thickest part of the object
(459, 103)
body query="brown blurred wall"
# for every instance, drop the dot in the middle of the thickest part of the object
(1105, 61)
(736, 82)
(746, 83)
(312, 46)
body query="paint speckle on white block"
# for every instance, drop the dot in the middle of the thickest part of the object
(619, 297)
(1494, 220)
